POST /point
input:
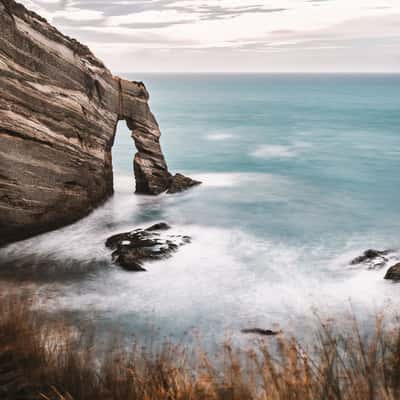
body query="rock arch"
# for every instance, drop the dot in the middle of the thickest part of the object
(150, 168)
(59, 107)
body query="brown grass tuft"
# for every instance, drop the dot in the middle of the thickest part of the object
(40, 359)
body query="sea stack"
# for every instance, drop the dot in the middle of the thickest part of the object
(59, 108)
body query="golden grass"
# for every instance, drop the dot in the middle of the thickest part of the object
(50, 361)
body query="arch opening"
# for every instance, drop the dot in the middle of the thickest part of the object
(149, 165)
(123, 151)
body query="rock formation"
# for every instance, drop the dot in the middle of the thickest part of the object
(132, 249)
(375, 259)
(59, 108)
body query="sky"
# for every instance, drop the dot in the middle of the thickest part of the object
(233, 35)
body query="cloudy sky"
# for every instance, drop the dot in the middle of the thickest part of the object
(233, 35)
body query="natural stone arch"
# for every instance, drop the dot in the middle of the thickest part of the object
(59, 107)
(150, 168)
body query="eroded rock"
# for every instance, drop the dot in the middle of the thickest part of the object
(133, 249)
(59, 108)
(180, 182)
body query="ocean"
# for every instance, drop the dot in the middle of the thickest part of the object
(300, 174)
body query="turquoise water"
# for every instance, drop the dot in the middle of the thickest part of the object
(329, 145)
(300, 174)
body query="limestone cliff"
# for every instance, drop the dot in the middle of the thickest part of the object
(59, 107)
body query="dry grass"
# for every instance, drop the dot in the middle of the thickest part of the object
(48, 361)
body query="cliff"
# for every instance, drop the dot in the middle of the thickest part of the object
(59, 108)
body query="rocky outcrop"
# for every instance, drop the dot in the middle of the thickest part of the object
(373, 258)
(132, 249)
(179, 183)
(59, 108)
(377, 259)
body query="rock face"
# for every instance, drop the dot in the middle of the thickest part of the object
(59, 108)
(132, 249)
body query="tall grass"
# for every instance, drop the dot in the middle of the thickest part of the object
(47, 360)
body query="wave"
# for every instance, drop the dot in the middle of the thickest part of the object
(224, 279)
(230, 179)
(219, 136)
(270, 151)
(228, 277)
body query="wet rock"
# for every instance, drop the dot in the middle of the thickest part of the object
(161, 226)
(374, 258)
(133, 249)
(179, 183)
(263, 332)
(393, 273)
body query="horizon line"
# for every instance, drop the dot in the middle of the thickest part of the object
(262, 72)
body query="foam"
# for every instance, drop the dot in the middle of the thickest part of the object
(270, 151)
(220, 180)
(219, 136)
(274, 151)
(227, 278)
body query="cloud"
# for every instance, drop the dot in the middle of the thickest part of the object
(235, 35)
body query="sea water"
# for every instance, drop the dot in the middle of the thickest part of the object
(300, 174)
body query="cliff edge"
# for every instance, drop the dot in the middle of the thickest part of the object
(59, 108)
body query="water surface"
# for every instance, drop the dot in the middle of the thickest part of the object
(301, 174)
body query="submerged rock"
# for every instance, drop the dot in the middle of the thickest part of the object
(393, 273)
(263, 332)
(132, 249)
(161, 226)
(373, 258)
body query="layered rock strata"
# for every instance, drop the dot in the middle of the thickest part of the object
(59, 108)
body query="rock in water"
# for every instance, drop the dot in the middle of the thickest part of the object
(179, 183)
(132, 249)
(263, 332)
(373, 258)
(393, 273)
(59, 108)
(161, 226)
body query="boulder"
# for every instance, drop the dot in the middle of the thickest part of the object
(373, 258)
(133, 249)
(393, 273)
